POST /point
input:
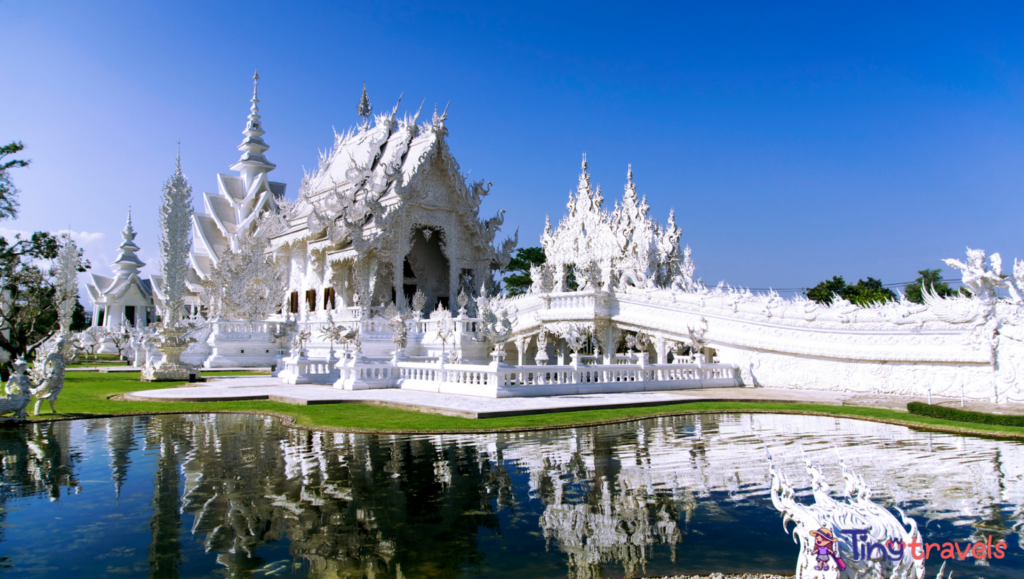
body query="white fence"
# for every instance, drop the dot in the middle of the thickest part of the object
(500, 381)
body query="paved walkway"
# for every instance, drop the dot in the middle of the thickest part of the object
(268, 388)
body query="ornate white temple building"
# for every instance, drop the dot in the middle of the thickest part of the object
(126, 297)
(382, 274)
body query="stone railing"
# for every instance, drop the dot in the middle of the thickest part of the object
(299, 369)
(501, 381)
(244, 327)
(569, 301)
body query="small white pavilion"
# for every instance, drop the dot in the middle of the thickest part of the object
(125, 297)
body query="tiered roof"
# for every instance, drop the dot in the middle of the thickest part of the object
(126, 272)
(239, 199)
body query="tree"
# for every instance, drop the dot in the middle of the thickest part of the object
(929, 278)
(28, 300)
(863, 293)
(8, 192)
(120, 336)
(519, 281)
(823, 292)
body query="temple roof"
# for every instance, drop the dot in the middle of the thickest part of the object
(384, 157)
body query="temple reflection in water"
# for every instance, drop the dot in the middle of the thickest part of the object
(604, 501)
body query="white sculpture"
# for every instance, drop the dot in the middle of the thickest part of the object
(175, 242)
(983, 282)
(172, 338)
(838, 533)
(53, 377)
(445, 327)
(17, 394)
(625, 243)
(69, 262)
(247, 283)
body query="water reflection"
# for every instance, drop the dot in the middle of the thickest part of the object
(244, 496)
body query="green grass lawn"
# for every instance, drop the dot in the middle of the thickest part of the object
(87, 394)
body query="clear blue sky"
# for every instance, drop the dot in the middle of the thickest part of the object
(795, 144)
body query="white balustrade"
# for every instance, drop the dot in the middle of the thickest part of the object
(505, 381)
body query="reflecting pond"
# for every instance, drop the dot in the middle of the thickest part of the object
(242, 495)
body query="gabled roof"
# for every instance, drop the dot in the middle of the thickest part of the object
(108, 289)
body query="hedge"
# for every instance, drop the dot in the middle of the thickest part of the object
(946, 413)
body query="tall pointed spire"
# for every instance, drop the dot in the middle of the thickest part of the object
(252, 161)
(127, 262)
(584, 187)
(364, 109)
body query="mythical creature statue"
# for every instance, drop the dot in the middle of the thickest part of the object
(299, 340)
(496, 327)
(698, 339)
(445, 326)
(419, 300)
(982, 282)
(53, 382)
(543, 278)
(574, 334)
(396, 323)
(834, 519)
(18, 392)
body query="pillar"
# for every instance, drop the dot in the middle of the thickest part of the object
(661, 346)
(522, 343)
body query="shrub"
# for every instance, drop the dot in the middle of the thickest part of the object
(945, 413)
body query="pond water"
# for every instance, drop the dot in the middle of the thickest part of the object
(241, 495)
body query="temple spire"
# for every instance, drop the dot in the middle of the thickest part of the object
(127, 262)
(584, 187)
(364, 109)
(252, 161)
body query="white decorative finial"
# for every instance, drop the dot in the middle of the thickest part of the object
(629, 173)
(128, 233)
(255, 82)
(364, 108)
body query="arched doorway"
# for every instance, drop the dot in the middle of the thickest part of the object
(429, 267)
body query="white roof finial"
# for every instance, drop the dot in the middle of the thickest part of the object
(254, 147)
(255, 82)
(364, 109)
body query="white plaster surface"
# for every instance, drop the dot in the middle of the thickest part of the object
(259, 387)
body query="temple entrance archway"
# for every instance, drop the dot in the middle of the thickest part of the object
(429, 267)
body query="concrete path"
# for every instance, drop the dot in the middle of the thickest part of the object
(269, 388)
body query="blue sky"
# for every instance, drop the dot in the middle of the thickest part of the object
(795, 143)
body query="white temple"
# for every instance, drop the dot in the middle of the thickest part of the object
(126, 297)
(382, 275)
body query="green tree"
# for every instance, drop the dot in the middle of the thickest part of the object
(519, 281)
(8, 192)
(863, 293)
(28, 305)
(929, 278)
(823, 292)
